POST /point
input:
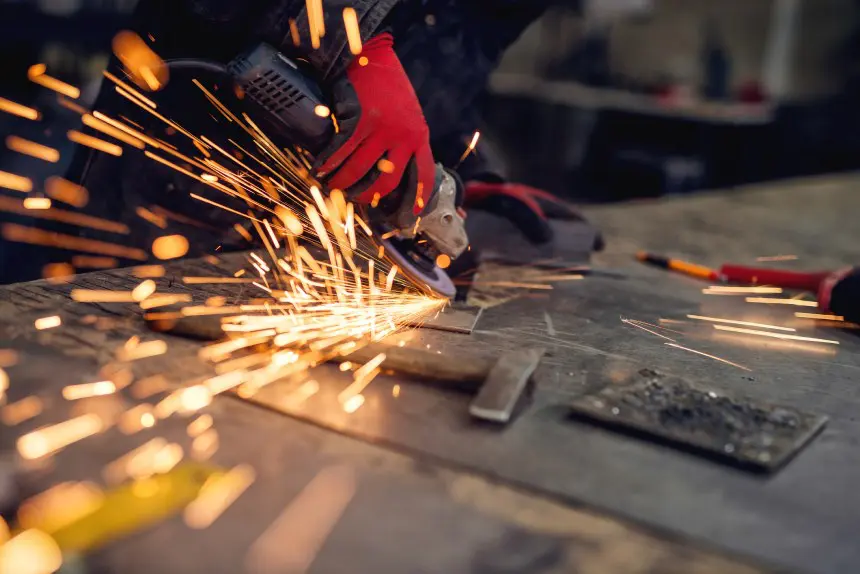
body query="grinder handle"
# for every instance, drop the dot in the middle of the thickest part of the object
(282, 98)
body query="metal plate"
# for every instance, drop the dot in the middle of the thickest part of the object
(756, 436)
(504, 386)
(456, 318)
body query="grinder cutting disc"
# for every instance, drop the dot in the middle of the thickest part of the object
(419, 265)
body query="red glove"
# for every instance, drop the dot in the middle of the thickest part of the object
(379, 117)
(527, 207)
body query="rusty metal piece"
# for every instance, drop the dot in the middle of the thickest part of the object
(742, 432)
(504, 386)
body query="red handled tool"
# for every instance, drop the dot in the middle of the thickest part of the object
(838, 292)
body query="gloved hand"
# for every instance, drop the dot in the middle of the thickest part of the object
(379, 117)
(526, 207)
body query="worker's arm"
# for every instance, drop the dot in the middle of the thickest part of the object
(382, 136)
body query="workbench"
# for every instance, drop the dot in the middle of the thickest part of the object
(435, 492)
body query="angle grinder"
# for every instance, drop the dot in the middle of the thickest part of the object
(286, 103)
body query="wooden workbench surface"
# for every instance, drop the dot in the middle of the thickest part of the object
(436, 494)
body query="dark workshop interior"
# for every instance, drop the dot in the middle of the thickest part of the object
(436, 286)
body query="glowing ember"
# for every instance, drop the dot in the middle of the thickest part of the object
(94, 142)
(170, 247)
(65, 191)
(32, 149)
(353, 33)
(87, 390)
(50, 439)
(775, 335)
(48, 322)
(16, 109)
(735, 322)
(30, 552)
(15, 182)
(217, 494)
(20, 411)
(778, 301)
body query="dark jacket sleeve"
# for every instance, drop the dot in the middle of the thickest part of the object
(333, 55)
(226, 23)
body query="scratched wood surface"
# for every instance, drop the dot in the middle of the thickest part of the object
(516, 491)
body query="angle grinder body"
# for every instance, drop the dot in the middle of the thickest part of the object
(290, 106)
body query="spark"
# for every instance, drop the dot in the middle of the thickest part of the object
(295, 538)
(149, 386)
(17, 109)
(112, 131)
(314, 22)
(636, 324)
(472, 145)
(34, 236)
(48, 322)
(199, 425)
(136, 419)
(37, 75)
(60, 506)
(20, 411)
(363, 61)
(94, 262)
(58, 272)
(40, 208)
(353, 403)
(205, 445)
(779, 301)
(243, 232)
(775, 335)
(725, 290)
(744, 323)
(144, 290)
(294, 33)
(164, 299)
(714, 357)
(443, 261)
(65, 191)
(94, 142)
(33, 149)
(345, 366)
(8, 357)
(101, 296)
(819, 316)
(30, 552)
(148, 271)
(36, 203)
(170, 246)
(777, 258)
(353, 33)
(139, 60)
(87, 390)
(385, 166)
(362, 377)
(48, 440)
(322, 111)
(216, 495)
(395, 391)
(16, 182)
(143, 351)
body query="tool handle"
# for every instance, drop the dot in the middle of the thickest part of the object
(283, 99)
(775, 277)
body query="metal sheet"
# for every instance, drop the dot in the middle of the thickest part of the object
(505, 384)
(455, 318)
(739, 431)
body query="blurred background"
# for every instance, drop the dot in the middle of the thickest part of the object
(600, 100)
